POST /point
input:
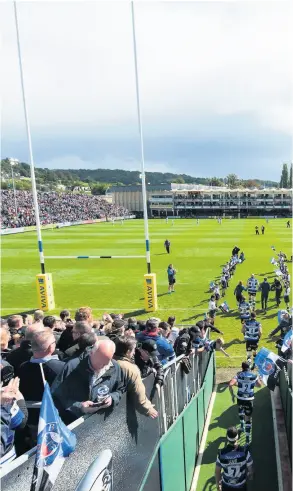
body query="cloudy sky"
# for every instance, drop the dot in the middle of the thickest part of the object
(215, 80)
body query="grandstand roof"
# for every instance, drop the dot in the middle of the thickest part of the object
(224, 189)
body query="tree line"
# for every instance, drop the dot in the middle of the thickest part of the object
(99, 180)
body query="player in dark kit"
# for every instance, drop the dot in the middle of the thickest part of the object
(234, 464)
(256, 230)
(246, 381)
(265, 289)
(252, 331)
(167, 244)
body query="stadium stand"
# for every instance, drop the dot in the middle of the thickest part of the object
(55, 208)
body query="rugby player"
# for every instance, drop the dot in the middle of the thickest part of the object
(234, 464)
(246, 381)
(244, 310)
(252, 287)
(252, 331)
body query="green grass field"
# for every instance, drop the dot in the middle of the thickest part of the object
(197, 253)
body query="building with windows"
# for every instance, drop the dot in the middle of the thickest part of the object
(131, 196)
(188, 200)
(192, 200)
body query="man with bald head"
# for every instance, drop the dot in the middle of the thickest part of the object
(95, 383)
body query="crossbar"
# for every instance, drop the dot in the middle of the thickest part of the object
(93, 257)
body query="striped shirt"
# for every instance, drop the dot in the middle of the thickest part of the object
(252, 330)
(234, 462)
(252, 285)
(246, 382)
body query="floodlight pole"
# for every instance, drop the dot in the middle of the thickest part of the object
(32, 167)
(143, 184)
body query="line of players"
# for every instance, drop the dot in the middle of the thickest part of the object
(234, 463)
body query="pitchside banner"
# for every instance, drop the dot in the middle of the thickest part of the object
(45, 292)
(150, 292)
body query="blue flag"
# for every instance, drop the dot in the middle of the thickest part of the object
(55, 442)
(269, 365)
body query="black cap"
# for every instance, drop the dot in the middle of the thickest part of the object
(245, 365)
(150, 346)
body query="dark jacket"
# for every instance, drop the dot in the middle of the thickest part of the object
(19, 355)
(72, 351)
(76, 387)
(283, 327)
(7, 435)
(265, 288)
(66, 340)
(31, 382)
(238, 290)
(5, 353)
(182, 345)
(165, 349)
(69, 366)
(207, 325)
(13, 417)
(148, 364)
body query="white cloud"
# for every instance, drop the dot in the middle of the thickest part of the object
(196, 60)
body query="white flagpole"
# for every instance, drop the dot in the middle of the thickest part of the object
(143, 185)
(42, 372)
(32, 167)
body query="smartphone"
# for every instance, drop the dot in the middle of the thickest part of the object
(97, 404)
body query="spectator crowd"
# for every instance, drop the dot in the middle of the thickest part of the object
(87, 363)
(55, 208)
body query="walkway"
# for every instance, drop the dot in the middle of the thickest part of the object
(225, 414)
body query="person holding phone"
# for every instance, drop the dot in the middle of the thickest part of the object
(92, 383)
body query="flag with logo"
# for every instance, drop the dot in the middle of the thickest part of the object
(55, 442)
(269, 366)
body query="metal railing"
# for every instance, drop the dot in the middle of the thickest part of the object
(179, 387)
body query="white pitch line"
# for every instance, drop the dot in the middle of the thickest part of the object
(203, 441)
(278, 460)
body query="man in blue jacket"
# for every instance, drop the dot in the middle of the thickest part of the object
(165, 349)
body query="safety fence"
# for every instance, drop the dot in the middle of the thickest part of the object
(179, 387)
(286, 398)
(147, 454)
(173, 463)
